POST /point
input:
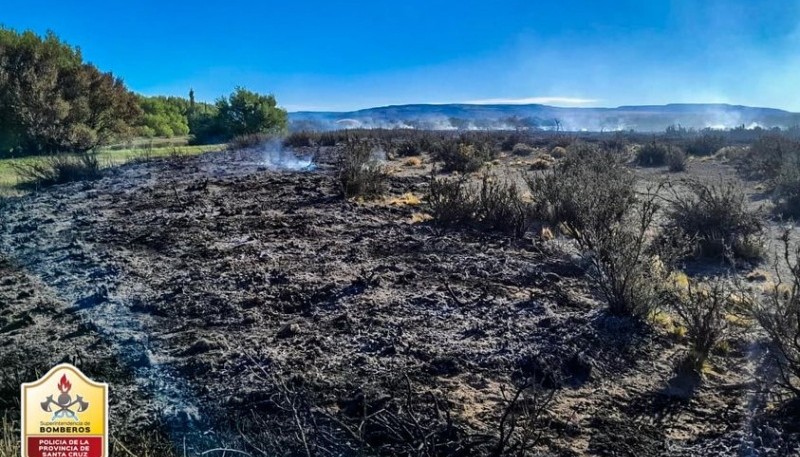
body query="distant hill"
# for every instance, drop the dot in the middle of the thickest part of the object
(648, 118)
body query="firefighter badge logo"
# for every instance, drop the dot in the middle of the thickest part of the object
(64, 414)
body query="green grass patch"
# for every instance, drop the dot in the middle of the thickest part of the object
(107, 158)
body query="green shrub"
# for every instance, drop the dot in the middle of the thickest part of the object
(359, 173)
(717, 217)
(59, 169)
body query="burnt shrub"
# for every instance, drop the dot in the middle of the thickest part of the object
(464, 157)
(59, 169)
(359, 173)
(593, 199)
(786, 195)
(777, 311)
(522, 149)
(450, 201)
(704, 145)
(701, 308)
(501, 207)
(493, 204)
(617, 143)
(299, 140)
(652, 154)
(581, 149)
(247, 141)
(408, 149)
(768, 156)
(676, 159)
(508, 143)
(328, 139)
(717, 218)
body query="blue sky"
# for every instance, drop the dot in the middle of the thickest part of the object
(354, 54)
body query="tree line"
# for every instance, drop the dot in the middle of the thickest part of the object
(52, 101)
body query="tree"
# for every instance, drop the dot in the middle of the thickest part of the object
(51, 101)
(164, 116)
(245, 112)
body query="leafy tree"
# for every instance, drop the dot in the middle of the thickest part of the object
(51, 101)
(245, 112)
(164, 116)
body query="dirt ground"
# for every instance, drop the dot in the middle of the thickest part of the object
(231, 305)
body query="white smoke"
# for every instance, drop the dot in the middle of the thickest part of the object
(275, 157)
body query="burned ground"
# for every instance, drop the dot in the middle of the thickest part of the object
(234, 306)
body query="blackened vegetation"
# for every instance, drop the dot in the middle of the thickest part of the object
(718, 219)
(593, 200)
(310, 324)
(777, 310)
(495, 203)
(398, 415)
(59, 169)
(360, 172)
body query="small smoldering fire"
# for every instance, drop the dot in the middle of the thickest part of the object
(274, 156)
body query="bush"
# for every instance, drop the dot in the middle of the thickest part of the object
(718, 219)
(508, 143)
(777, 311)
(451, 203)
(493, 205)
(408, 149)
(558, 152)
(463, 157)
(298, 140)
(676, 159)
(617, 143)
(328, 139)
(652, 155)
(786, 195)
(769, 155)
(701, 308)
(252, 140)
(593, 199)
(59, 169)
(359, 173)
(580, 149)
(522, 149)
(705, 145)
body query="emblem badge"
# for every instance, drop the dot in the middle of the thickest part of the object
(64, 414)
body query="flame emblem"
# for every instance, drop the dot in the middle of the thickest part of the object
(64, 402)
(64, 385)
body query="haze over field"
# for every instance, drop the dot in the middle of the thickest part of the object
(551, 118)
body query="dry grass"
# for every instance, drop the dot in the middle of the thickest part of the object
(418, 218)
(415, 161)
(407, 199)
(9, 439)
